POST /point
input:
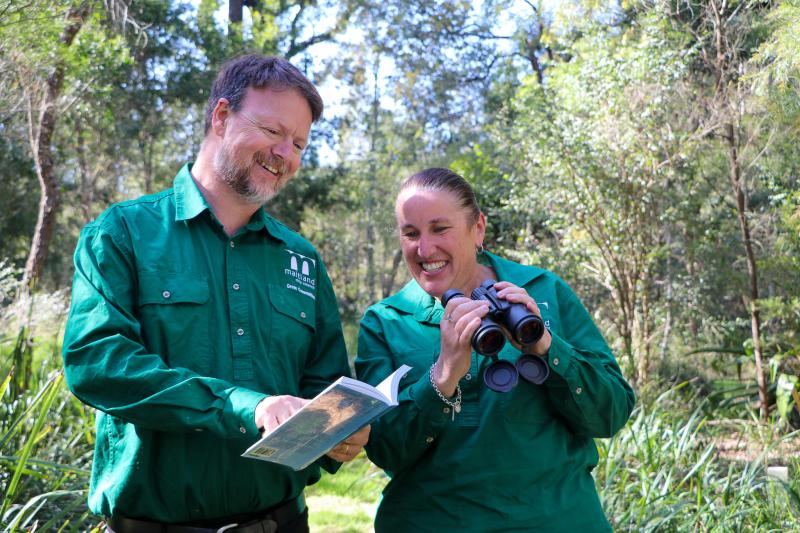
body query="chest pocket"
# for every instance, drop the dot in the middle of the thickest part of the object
(174, 312)
(293, 326)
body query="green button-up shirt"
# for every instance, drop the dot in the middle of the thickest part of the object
(175, 333)
(515, 461)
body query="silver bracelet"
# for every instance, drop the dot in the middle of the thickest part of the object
(455, 405)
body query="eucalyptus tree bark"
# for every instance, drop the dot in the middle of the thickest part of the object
(41, 130)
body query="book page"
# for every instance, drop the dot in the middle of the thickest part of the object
(385, 391)
(318, 427)
(389, 386)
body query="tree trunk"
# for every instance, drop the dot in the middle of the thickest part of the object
(625, 325)
(41, 139)
(735, 173)
(644, 332)
(235, 10)
(370, 207)
(388, 282)
(667, 296)
(725, 65)
(691, 269)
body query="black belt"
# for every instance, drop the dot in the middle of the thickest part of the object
(265, 522)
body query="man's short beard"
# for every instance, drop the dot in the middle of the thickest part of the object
(238, 178)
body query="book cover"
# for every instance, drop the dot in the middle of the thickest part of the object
(340, 410)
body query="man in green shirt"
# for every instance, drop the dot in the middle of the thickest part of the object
(198, 320)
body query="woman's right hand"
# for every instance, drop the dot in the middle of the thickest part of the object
(461, 319)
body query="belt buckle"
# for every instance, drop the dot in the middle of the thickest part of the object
(267, 526)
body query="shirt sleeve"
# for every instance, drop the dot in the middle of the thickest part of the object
(585, 383)
(108, 367)
(400, 437)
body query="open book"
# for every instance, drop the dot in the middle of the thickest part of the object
(334, 414)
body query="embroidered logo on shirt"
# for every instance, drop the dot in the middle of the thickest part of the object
(544, 308)
(302, 272)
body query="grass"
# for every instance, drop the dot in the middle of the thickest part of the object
(346, 502)
(664, 472)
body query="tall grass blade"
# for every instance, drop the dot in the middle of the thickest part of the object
(47, 399)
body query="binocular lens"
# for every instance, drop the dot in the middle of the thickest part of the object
(533, 368)
(501, 376)
(488, 340)
(529, 330)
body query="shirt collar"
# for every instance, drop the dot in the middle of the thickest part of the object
(190, 202)
(275, 229)
(412, 300)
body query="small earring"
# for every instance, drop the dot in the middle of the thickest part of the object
(479, 249)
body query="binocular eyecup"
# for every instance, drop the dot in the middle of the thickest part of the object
(490, 337)
(502, 375)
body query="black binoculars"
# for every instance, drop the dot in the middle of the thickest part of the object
(505, 318)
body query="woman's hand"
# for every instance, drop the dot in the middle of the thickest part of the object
(351, 446)
(512, 293)
(461, 319)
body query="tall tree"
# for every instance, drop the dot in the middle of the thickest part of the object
(597, 154)
(42, 97)
(727, 34)
(55, 54)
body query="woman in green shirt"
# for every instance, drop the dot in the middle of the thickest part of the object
(460, 455)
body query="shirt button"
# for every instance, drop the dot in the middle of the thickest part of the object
(446, 410)
(578, 390)
(166, 294)
(242, 429)
(428, 439)
(236, 286)
(468, 376)
(233, 245)
(240, 332)
(555, 361)
(302, 314)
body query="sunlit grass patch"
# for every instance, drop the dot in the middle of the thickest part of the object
(339, 514)
(346, 502)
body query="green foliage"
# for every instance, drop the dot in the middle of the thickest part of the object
(609, 156)
(779, 54)
(18, 200)
(45, 453)
(664, 472)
